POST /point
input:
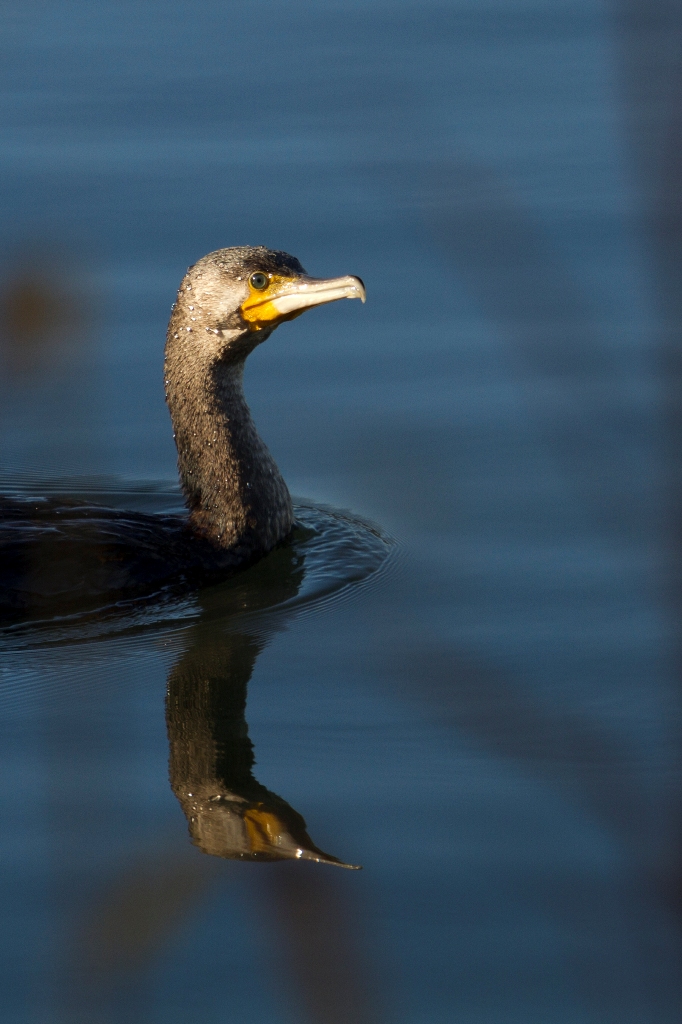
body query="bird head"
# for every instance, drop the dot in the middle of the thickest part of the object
(231, 300)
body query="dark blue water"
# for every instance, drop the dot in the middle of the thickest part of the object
(488, 721)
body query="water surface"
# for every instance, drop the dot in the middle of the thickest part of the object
(489, 722)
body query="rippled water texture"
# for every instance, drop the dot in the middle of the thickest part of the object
(328, 551)
(482, 712)
(220, 630)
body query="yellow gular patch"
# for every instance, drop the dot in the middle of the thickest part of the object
(258, 308)
(264, 829)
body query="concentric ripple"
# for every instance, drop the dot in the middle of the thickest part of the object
(328, 552)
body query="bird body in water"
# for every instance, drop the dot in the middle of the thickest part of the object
(62, 554)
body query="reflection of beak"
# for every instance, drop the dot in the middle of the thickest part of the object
(253, 830)
(288, 297)
(270, 836)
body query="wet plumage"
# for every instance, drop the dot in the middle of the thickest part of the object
(58, 555)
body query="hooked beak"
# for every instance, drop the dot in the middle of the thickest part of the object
(287, 297)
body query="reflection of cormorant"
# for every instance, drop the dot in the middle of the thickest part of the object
(230, 814)
(65, 553)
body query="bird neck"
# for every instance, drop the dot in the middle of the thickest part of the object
(235, 493)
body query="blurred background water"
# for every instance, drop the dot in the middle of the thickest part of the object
(490, 725)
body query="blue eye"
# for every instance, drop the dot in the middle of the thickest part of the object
(258, 280)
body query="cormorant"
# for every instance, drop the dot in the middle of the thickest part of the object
(62, 554)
